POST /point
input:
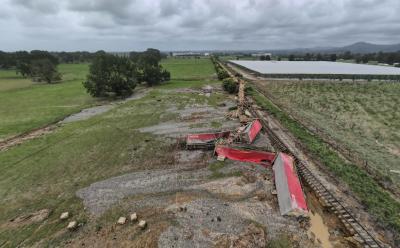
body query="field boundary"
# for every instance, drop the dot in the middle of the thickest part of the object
(352, 225)
(349, 154)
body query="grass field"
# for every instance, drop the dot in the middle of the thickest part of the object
(47, 171)
(25, 105)
(189, 72)
(364, 117)
(361, 116)
(189, 68)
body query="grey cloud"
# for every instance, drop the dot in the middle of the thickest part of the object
(197, 24)
(39, 6)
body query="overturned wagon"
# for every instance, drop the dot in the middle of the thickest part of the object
(251, 131)
(204, 140)
(290, 194)
(240, 154)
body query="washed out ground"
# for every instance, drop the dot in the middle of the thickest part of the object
(126, 160)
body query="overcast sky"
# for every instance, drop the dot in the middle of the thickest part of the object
(122, 25)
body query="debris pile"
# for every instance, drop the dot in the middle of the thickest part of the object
(229, 144)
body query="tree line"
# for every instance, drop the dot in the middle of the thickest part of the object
(9, 60)
(42, 65)
(38, 65)
(228, 83)
(108, 74)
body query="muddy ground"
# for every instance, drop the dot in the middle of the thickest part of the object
(196, 202)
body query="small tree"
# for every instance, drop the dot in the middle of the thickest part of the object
(148, 63)
(44, 70)
(230, 86)
(111, 75)
(151, 75)
(222, 74)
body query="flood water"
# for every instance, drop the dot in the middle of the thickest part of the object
(319, 230)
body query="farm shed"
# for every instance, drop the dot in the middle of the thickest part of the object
(315, 67)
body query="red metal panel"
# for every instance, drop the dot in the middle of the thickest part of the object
(205, 137)
(296, 195)
(254, 130)
(259, 157)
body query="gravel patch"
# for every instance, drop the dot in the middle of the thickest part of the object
(205, 221)
(192, 119)
(100, 196)
(93, 111)
(88, 113)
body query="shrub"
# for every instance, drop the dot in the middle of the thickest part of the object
(230, 86)
(222, 74)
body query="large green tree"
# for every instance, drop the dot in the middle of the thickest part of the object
(150, 70)
(44, 70)
(110, 75)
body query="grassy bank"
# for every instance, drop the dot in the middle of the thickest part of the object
(377, 201)
(362, 117)
(45, 173)
(25, 105)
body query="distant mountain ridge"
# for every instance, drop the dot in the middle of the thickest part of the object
(358, 47)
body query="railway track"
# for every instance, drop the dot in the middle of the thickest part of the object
(351, 224)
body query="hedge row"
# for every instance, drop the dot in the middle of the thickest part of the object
(221, 72)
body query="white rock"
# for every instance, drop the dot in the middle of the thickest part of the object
(142, 224)
(121, 220)
(64, 216)
(133, 217)
(72, 225)
(221, 158)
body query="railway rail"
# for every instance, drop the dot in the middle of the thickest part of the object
(352, 225)
(327, 198)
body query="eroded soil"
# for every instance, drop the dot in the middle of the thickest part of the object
(196, 201)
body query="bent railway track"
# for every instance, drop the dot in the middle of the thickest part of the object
(352, 225)
(328, 199)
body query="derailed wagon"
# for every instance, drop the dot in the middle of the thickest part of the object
(290, 193)
(204, 140)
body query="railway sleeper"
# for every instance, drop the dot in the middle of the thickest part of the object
(351, 225)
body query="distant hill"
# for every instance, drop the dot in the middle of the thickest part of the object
(364, 47)
(359, 47)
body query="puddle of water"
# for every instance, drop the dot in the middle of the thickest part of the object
(319, 230)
